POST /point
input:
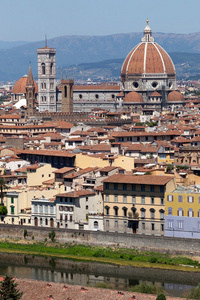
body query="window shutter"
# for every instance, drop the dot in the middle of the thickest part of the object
(193, 213)
(188, 213)
(183, 213)
(177, 212)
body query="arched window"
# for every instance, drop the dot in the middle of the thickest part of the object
(152, 211)
(180, 212)
(42, 86)
(162, 214)
(190, 212)
(116, 210)
(42, 99)
(169, 210)
(51, 68)
(96, 225)
(43, 68)
(45, 86)
(125, 211)
(46, 222)
(107, 208)
(65, 91)
(40, 221)
(143, 213)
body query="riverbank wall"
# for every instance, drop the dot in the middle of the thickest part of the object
(108, 239)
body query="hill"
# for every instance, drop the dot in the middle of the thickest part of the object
(187, 67)
(74, 50)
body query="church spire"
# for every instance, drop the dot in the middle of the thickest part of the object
(30, 81)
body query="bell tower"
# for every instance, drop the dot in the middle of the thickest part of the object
(67, 95)
(47, 79)
(30, 94)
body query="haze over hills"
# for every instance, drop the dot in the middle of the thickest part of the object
(187, 67)
(74, 50)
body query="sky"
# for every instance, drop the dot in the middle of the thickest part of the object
(30, 20)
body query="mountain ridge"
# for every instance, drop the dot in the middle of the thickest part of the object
(77, 49)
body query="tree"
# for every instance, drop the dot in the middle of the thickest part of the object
(8, 289)
(3, 210)
(161, 296)
(3, 186)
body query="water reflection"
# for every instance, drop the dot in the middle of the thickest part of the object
(84, 273)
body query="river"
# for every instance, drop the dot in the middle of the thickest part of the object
(175, 283)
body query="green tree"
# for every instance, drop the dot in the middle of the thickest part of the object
(194, 293)
(161, 296)
(8, 289)
(3, 187)
(3, 210)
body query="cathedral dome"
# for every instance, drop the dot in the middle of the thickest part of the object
(155, 94)
(20, 86)
(175, 96)
(147, 58)
(133, 97)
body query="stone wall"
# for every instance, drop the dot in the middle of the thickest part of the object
(100, 238)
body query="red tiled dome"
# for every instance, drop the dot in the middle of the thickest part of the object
(133, 97)
(175, 96)
(20, 86)
(147, 57)
(155, 94)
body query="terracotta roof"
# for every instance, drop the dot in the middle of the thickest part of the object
(175, 96)
(147, 58)
(33, 167)
(133, 97)
(144, 179)
(63, 125)
(20, 86)
(96, 148)
(97, 129)
(99, 188)
(76, 194)
(63, 170)
(155, 94)
(10, 116)
(81, 172)
(49, 153)
(108, 169)
(49, 182)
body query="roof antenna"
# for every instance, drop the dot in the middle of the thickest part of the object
(45, 40)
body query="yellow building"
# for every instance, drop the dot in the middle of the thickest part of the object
(38, 173)
(136, 203)
(18, 203)
(83, 161)
(182, 213)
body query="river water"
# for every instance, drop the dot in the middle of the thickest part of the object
(175, 283)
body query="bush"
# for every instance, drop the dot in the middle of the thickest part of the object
(25, 233)
(8, 289)
(98, 253)
(52, 235)
(103, 285)
(153, 260)
(145, 288)
(3, 210)
(161, 296)
(194, 293)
